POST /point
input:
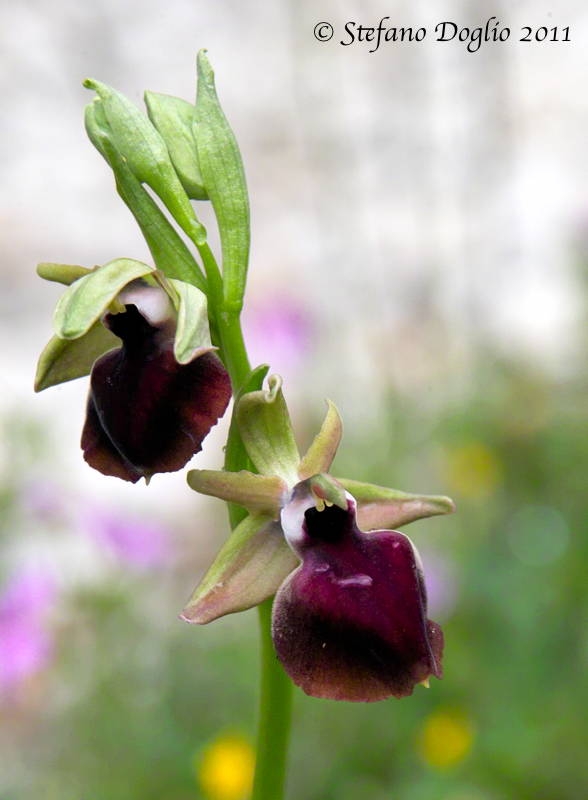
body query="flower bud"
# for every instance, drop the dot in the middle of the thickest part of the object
(175, 119)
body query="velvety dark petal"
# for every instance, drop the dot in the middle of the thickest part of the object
(100, 452)
(146, 412)
(350, 623)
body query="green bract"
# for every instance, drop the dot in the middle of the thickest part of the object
(224, 180)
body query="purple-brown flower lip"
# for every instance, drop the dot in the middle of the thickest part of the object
(350, 622)
(146, 412)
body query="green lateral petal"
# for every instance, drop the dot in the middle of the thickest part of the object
(321, 452)
(174, 119)
(61, 273)
(224, 180)
(266, 430)
(169, 252)
(192, 331)
(83, 303)
(382, 508)
(251, 567)
(144, 150)
(65, 359)
(257, 493)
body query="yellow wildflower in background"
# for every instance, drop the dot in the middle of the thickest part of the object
(473, 470)
(225, 768)
(446, 738)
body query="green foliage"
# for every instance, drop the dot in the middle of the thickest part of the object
(145, 693)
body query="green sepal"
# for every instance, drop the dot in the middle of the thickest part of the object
(192, 337)
(66, 359)
(174, 119)
(145, 152)
(382, 508)
(250, 567)
(169, 252)
(61, 273)
(323, 449)
(254, 381)
(266, 430)
(87, 299)
(261, 494)
(224, 180)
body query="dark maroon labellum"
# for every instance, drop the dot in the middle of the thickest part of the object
(147, 413)
(350, 623)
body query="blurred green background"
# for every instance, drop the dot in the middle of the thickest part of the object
(420, 252)
(119, 700)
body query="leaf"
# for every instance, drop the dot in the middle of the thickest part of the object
(224, 180)
(145, 152)
(169, 252)
(86, 299)
(66, 359)
(174, 119)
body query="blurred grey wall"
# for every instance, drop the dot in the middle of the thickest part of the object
(416, 200)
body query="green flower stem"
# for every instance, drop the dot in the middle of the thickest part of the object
(275, 707)
(213, 275)
(233, 349)
(275, 701)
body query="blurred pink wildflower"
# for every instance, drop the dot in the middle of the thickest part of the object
(279, 330)
(135, 542)
(26, 645)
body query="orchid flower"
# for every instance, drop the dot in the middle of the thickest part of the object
(350, 611)
(156, 387)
